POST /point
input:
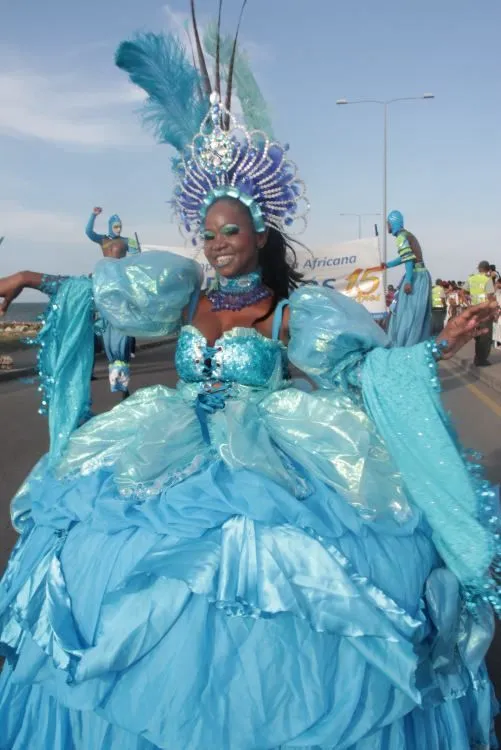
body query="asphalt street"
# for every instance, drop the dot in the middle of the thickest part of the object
(23, 433)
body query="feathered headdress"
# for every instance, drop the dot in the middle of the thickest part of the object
(218, 157)
(227, 161)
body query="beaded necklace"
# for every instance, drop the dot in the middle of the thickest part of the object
(238, 292)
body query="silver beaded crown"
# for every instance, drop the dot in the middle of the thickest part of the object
(225, 160)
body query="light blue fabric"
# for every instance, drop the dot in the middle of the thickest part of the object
(416, 431)
(117, 348)
(116, 345)
(66, 358)
(399, 390)
(242, 565)
(144, 295)
(330, 334)
(410, 321)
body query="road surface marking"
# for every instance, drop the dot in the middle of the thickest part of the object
(487, 400)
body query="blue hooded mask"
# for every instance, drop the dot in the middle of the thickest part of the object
(115, 219)
(396, 222)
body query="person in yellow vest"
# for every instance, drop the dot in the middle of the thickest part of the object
(437, 307)
(481, 289)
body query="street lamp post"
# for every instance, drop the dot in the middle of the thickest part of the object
(359, 217)
(385, 103)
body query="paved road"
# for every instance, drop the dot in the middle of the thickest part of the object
(476, 410)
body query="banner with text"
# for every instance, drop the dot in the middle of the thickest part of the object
(351, 268)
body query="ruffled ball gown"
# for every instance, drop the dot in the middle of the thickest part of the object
(241, 563)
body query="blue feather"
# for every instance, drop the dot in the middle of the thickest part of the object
(176, 106)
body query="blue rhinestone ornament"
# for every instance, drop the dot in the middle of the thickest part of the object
(238, 292)
(438, 349)
(225, 160)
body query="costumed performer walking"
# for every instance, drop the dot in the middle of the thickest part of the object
(118, 348)
(208, 566)
(410, 319)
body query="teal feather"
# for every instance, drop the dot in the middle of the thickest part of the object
(159, 64)
(254, 108)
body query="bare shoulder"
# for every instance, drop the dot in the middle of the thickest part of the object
(414, 243)
(411, 237)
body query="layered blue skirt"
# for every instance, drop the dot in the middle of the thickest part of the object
(410, 321)
(223, 607)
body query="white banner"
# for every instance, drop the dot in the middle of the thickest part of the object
(351, 268)
(348, 267)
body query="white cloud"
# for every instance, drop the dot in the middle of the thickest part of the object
(177, 20)
(180, 23)
(64, 109)
(20, 223)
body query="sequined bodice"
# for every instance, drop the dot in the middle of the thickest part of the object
(242, 355)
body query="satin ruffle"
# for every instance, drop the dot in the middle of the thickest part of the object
(219, 579)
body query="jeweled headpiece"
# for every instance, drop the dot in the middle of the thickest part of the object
(225, 160)
(218, 157)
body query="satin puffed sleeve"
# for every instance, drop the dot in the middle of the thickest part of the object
(144, 295)
(330, 334)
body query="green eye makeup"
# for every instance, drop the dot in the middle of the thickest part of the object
(229, 229)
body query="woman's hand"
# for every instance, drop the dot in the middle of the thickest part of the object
(472, 322)
(97, 210)
(10, 288)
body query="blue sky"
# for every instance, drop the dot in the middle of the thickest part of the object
(70, 137)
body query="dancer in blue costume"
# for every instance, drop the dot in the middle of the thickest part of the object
(118, 347)
(238, 563)
(114, 232)
(410, 319)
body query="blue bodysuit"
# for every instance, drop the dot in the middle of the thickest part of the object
(117, 346)
(132, 245)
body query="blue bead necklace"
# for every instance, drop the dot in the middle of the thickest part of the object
(238, 292)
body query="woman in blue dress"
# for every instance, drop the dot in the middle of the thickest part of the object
(410, 316)
(243, 563)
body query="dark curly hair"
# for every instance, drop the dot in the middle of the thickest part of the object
(278, 262)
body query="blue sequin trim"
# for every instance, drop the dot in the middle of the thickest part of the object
(433, 355)
(488, 588)
(50, 284)
(49, 319)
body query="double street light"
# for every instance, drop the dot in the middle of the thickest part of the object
(359, 217)
(385, 104)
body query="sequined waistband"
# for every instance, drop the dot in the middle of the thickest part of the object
(420, 267)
